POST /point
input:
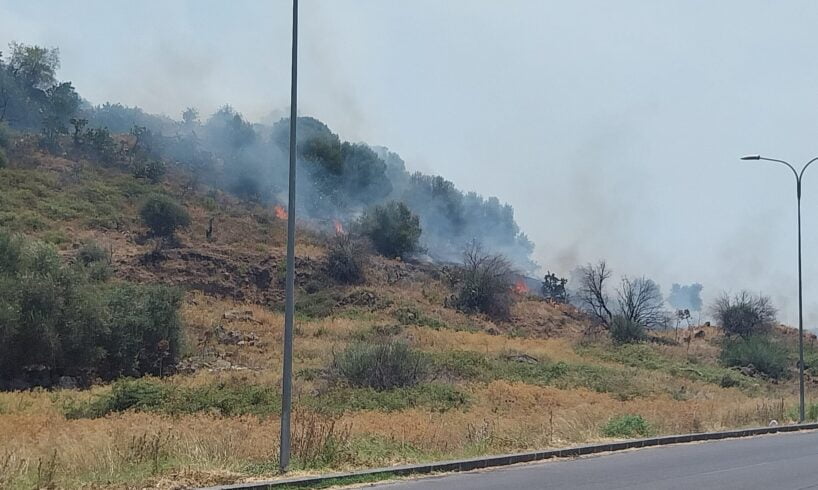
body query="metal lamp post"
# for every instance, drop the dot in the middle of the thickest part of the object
(289, 302)
(798, 177)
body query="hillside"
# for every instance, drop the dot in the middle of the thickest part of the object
(541, 378)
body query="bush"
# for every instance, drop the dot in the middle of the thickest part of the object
(151, 169)
(57, 320)
(623, 330)
(744, 314)
(149, 395)
(392, 228)
(627, 426)
(346, 260)
(145, 330)
(320, 304)
(163, 215)
(553, 288)
(4, 161)
(91, 252)
(485, 284)
(96, 260)
(381, 366)
(764, 354)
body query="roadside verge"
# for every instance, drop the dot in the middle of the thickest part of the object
(508, 459)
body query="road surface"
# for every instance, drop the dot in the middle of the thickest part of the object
(781, 461)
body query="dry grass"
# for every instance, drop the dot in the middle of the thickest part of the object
(133, 449)
(41, 448)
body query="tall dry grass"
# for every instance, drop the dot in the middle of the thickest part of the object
(39, 447)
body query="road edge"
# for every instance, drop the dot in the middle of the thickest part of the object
(516, 458)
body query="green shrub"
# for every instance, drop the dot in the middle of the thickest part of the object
(620, 383)
(320, 304)
(627, 426)
(91, 252)
(145, 330)
(151, 169)
(346, 260)
(392, 228)
(59, 320)
(50, 316)
(150, 395)
(96, 260)
(381, 366)
(625, 331)
(764, 354)
(163, 215)
(412, 316)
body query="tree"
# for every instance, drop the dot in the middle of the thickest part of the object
(392, 228)
(485, 283)
(639, 303)
(62, 103)
(36, 66)
(346, 259)
(190, 117)
(592, 295)
(744, 314)
(553, 288)
(24, 84)
(640, 300)
(163, 215)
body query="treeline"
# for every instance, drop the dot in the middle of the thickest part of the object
(339, 179)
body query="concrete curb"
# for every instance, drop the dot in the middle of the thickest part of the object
(509, 459)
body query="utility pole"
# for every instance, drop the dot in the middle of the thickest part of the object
(289, 299)
(798, 178)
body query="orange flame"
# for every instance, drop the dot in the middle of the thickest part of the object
(281, 213)
(520, 287)
(339, 228)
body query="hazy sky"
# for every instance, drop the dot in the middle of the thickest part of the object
(613, 128)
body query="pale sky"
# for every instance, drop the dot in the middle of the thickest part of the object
(613, 128)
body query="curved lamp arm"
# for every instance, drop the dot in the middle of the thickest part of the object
(794, 172)
(805, 167)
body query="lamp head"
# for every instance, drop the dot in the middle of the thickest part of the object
(751, 157)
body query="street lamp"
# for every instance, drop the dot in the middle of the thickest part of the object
(798, 178)
(289, 281)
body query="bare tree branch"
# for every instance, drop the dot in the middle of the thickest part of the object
(640, 300)
(592, 291)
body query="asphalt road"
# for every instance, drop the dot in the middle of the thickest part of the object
(781, 461)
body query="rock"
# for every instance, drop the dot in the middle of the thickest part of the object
(67, 383)
(773, 423)
(187, 366)
(222, 364)
(699, 334)
(524, 358)
(226, 337)
(748, 370)
(239, 315)
(232, 337)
